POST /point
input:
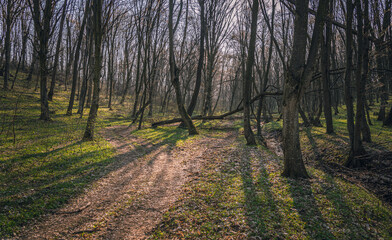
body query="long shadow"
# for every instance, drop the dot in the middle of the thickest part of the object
(336, 197)
(306, 206)
(24, 199)
(39, 155)
(260, 205)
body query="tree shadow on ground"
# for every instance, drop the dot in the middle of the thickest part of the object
(32, 192)
(261, 209)
(334, 194)
(306, 205)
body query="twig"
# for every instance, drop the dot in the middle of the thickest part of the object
(75, 211)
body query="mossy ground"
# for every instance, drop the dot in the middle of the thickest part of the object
(239, 194)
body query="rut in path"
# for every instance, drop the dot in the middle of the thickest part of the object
(128, 202)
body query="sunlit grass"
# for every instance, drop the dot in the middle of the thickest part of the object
(240, 194)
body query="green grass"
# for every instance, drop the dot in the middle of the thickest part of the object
(48, 164)
(240, 194)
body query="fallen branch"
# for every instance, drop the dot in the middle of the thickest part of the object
(199, 117)
(74, 211)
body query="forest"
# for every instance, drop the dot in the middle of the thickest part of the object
(195, 119)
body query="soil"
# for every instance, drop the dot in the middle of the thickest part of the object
(128, 202)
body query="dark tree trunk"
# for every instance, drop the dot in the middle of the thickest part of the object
(357, 150)
(196, 91)
(347, 79)
(7, 44)
(247, 82)
(388, 119)
(174, 74)
(297, 77)
(97, 35)
(76, 60)
(42, 28)
(325, 63)
(57, 54)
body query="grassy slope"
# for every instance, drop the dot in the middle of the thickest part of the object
(240, 193)
(48, 164)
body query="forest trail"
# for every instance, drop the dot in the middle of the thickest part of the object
(130, 200)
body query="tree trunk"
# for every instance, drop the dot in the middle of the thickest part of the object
(347, 79)
(297, 78)
(76, 60)
(97, 35)
(57, 54)
(42, 28)
(247, 82)
(196, 91)
(357, 150)
(7, 45)
(325, 63)
(174, 74)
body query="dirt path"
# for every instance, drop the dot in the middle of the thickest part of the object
(129, 201)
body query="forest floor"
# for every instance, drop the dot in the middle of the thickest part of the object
(163, 184)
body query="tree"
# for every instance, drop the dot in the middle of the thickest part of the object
(174, 75)
(297, 77)
(97, 33)
(357, 150)
(76, 60)
(195, 94)
(57, 53)
(43, 30)
(247, 82)
(325, 67)
(12, 10)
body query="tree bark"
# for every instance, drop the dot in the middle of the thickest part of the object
(297, 77)
(247, 81)
(76, 61)
(7, 44)
(97, 35)
(196, 91)
(325, 63)
(42, 28)
(57, 54)
(347, 79)
(357, 150)
(174, 74)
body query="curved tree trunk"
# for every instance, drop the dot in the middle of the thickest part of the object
(174, 75)
(247, 81)
(297, 77)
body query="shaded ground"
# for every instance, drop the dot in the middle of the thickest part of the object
(129, 201)
(376, 176)
(240, 194)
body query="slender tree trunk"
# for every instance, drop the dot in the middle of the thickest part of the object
(247, 82)
(357, 149)
(7, 45)
(76, 60)
(97, 35)
(57, 54)
(196, 91)
(42, 28)
(325, 64)
(347, 79)
(174, 74)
